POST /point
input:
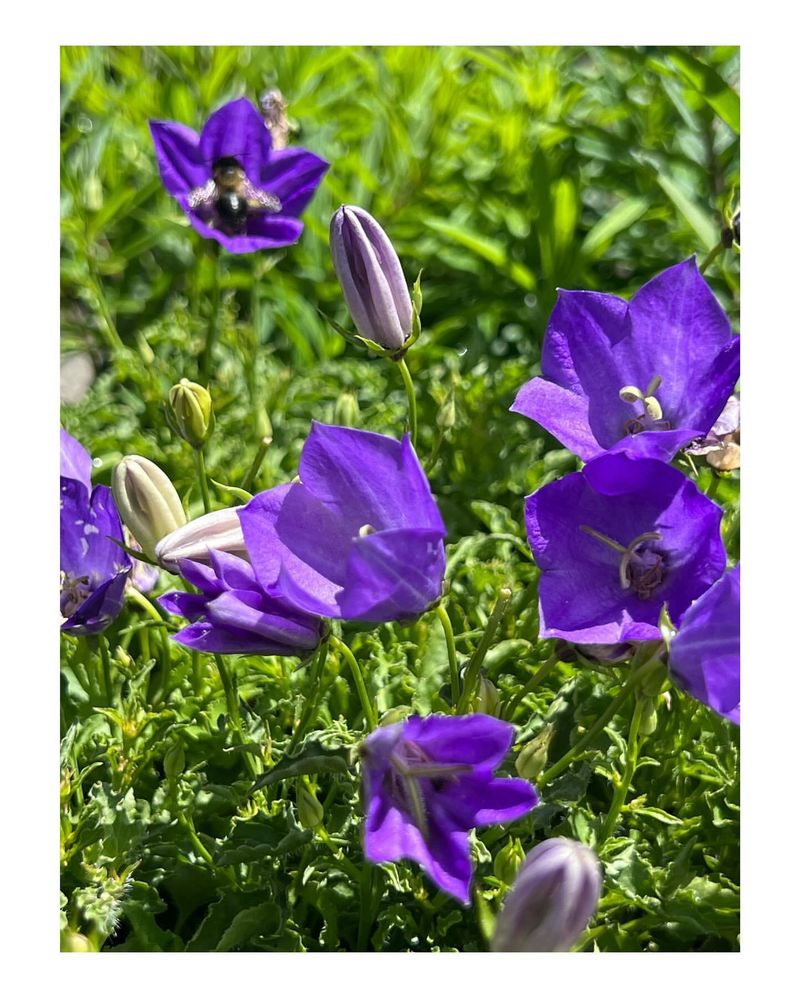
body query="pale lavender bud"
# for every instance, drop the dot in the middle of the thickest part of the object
(371, 278)
(552, 900)
(220, 530)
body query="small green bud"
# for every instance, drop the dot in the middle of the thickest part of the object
(487, 699)
(649, 718)
(191, 411)
(533, 756)
(508, 860)
(147, 501)
(396, 714)
(73, 941)
(263, 424)
(446, 417)
(174, 761)
(346, 412)
(309, 808)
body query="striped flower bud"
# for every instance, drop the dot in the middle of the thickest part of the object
(146, 500)
(219, 530)
(552, 900)
(371, 278)
(191, 413)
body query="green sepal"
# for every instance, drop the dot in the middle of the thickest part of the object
(136, 553)
(235, 491)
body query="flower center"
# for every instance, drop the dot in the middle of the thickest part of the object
(74, 591)
(642, 566)
(410, 766)
(651, 417)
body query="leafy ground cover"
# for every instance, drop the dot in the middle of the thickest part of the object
(502, 174)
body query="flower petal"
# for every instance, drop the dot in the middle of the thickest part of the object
(99, 609)
(76, 463)
(293, 174)
(237, 130)
(481, 800)
(478, 739)
(180, 161)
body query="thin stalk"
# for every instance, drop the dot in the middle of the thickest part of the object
(312, 703)
(188, 825)
(712, 256)
(471, 677)
(412, 400)
(112, 334)
(358, 677)
(631, 757)
(450, 642)
(365, 908)
(106, 661)
(213, 325)
(200, 465)
(600, 724)
(516, 701)
(263, 446)
(338, 853)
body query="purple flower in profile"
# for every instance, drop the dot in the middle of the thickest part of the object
(234, 186)
(428, 782)
(615, 542)
(94, 569)
(359, 537)
(704, 655)
(644, 377)
(232, 614)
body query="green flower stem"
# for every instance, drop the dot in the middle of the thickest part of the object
(711, 492)
(365, 908)
(712, 256)
(312, 703)
(106, 661)
(345, 863)
(213, 325)
(200, 465)
(112, 334)
(358, 677)
(263, 446)
(188, 825)
(471, 677)
(231, 698)
(450, 641)
(516, 701)
(600, 724)
(412, 400)
(631, 757)
(166, 653)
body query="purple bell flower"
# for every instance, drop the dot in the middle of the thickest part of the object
(94, 569)
(428, 782)
(704, 655)
(646, 377)
(232, 614)
(615, 542)
(234, 186)
(359, 537)
(371, 277)
(552, 900)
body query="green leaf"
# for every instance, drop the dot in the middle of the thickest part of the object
(621, 217)
(492, 251)
(710, 85)
(264, 919)
(700, 221)
(314, 759)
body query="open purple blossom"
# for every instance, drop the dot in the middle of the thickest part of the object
(644, 377)
(704, 656)
(232, 614)
(359, 537)
(94, 569)
(430, 781)
(234, 186)
(615, 542)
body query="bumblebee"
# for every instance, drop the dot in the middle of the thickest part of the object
(229, 198)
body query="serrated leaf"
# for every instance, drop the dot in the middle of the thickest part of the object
(262, 919)
(314, 759)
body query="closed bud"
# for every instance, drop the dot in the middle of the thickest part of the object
(146, 500)
(191, 412)
(220, 530)
(649, 718)
(552, 900)
(73, 941)
(309, 808)
(371, 278)
(487, 699)
(174, 761)
(533, 756)
(446, 417)
(508, 861)
(346, 412)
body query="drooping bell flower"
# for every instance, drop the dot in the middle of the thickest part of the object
(371, 277)
(645, 377)
(94, 569)
(428, 782)
(704, 655)
(615, 542)
(233, 184)
(552, 900)
(232, 614)
(359, 537)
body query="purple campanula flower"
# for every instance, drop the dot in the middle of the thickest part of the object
(644, 377)
(94, 569)
(359, 537)
(552, 900)
(428, 782)
(704, 656)
(371, 277)
(232, 614)
(615, 542)
(234, 186)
